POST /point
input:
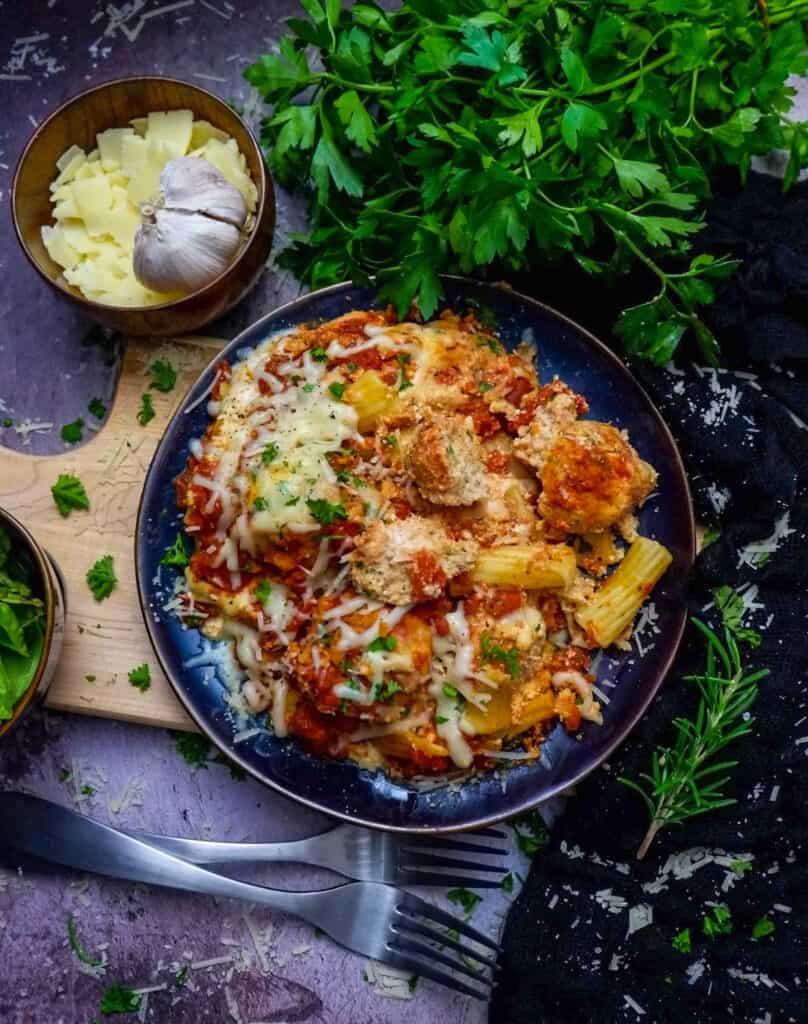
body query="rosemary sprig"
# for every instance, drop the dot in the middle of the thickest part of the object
(684, 779)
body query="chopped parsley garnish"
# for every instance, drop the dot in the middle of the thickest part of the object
(412, 982)
(140, 677)
(324, 512)
(270, 453)
(352, 366)
(710, 537)
(386, 690)
(762, 928)
(382, 643)
(404, 381)
(730, 605)
(308, 388)
(494, 652)
(485, 386)
(337, 389)
(176, 555)
(319, 353)
(90, 679)
(65, 775)
(68, 493)
(146, 412)
(740, 867)
(262, 591)
(97, 408)
(260, 504)
(465, 898)
(8, 422)
(118, 999)
(193, 747)
(449, 691)
(101, 578)
(681, 942)
(164, 376)
(531, 832)
(440, 719)
(87, 791)
(717, 922)
(75, 945)
(391, 440)
(291, 501)
(507, 883)
(71, 432)
(492, 343)
(181, 975)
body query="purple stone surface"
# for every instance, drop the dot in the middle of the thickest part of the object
(277, 970)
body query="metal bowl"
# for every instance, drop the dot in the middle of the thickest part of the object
(50, 588)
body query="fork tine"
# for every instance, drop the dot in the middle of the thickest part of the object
(454, 844)
(413, 876)
(486, 833)
(407, 924)
(411, 859)
(415, 905)
(424, 970)
(407, 944)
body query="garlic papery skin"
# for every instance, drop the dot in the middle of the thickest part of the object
(181, 250)
(190, 183)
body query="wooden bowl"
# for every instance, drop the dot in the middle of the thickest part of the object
(113, 105)
(50, 589)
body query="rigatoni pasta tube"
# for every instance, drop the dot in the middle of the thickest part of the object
(532, 566)
(371, 398)
(614, 605)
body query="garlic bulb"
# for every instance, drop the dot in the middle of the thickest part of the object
(191, 232)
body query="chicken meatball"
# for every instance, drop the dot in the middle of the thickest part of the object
(408, 560)
(591, 476)
(559, 407)
(446, 461)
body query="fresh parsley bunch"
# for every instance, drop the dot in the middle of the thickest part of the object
(452, 135)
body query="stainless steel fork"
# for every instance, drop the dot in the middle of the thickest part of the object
(363, 854)
(375, 920)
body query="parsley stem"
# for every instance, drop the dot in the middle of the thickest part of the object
(363, 86)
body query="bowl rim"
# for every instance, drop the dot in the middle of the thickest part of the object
(659, 670)
(44, 568)
(265, 190)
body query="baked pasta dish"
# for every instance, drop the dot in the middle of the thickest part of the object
(415, 547)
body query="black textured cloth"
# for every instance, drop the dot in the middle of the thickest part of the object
(570, 952)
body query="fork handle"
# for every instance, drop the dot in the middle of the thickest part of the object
(48, 831)
(316, 851)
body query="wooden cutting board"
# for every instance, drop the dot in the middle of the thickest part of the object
(105, 640)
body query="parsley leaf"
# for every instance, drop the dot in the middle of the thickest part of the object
(324, 512)
(71, 432)
(382, 643)
(140, 677)
(164, 376)
(262, 591)
(337, 389)
(507, 883)
(531, 832)
(386, 690)
(260, 504)
(762, 928)
(465, 898)
(193, 747)
(176, 555)
(270, 453)
(97, 408)
(495, 652)
(681, 941)
(101, 578)
(146, 412)
(717, 922)
(69, 493)
(119, 999)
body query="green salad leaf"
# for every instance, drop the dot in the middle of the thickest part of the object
(22, 626)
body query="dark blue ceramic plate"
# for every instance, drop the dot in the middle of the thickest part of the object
(341, 788)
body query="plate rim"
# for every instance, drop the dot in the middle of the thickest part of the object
(622, 733)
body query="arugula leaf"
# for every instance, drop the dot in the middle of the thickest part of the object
(164, 376)
(69, 493)
(140, 677)
(71, 432)
(176, 555)
(101, 578)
